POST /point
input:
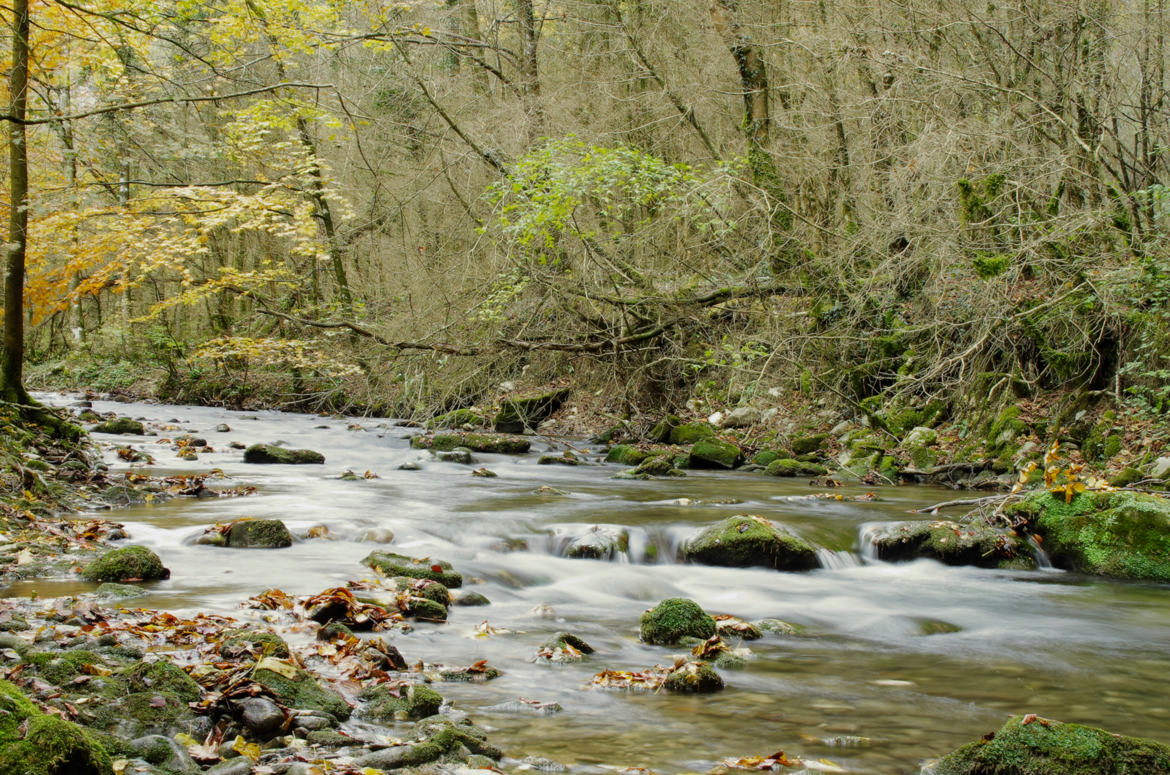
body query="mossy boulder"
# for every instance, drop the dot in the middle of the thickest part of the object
(259, 534)
(688, 434)
(675, 618)
(122, 426)
(1119, 534)
(418, 568)
(127, 563)
(1029, 745)
(626, 455)
(61, 667)
(162, 676)
(427, 588)
(52, 746)
(1005, 430)
(422, 608)
(271, 454)
(804, 445)
(236, 643)
(950, 543)
(458, 418)
(693, 678)
(297, 688)
(789, 467)
(476, 442)
(660, 465)
(386, 705)
(660, 433)
(748, 540)
(766, 456)
(518, 414)
(714, 453)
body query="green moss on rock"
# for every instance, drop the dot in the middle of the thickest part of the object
(123, 426)
(626, 455)
(162, 676)
(419, 568)
(675, 618)
(127, 563)
(53, 746)
(431, 590)
(950, 543)
(237, 642)
(519, 414)
(714, 453)
(694, 678)
(60, 667)
(790, 467)
(1120, 534)
(1028, 745)
(476, 442)
(259, 534)
(747, 540)
(803, 445)
(690, 433)
(661, 431)
(384, 704)
(270, 454)
(298, 689)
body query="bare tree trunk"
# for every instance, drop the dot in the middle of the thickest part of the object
(529, 74)
(12, 363)
(757, 119)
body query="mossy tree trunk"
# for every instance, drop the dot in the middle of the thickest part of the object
(12, 364)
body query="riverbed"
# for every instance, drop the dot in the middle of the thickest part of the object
(892, 664)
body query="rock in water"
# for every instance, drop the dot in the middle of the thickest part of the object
(951, 543)
(746, 540)
(675, 618)
(1030, 745)
(267, 453)
(121, 426)
(259, 534)
(127, 563)
(419, 568)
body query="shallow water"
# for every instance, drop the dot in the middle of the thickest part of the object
(864, 685)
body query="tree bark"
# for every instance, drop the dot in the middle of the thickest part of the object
(529, 73)
(12, 360)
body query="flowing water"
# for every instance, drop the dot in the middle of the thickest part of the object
(894, 664)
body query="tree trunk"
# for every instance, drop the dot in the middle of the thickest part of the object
(12, 363)
(757, 119)
(529, 74)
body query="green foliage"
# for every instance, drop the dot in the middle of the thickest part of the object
(992, 265)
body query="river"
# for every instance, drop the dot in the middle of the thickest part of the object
(894, 664)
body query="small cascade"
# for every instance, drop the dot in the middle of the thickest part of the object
(867, 539)
(831, 559)
(1039, 555)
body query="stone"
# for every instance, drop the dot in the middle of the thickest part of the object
(675, 618)
(749, 540)
(127, 563)
(297, 688)
(46, 744)
(114, 591)
(122, 426)
(461, 455)
(400, 565)
(686, 435)
(519, 414)
(259, 534)
(262, 643)
(660, 433)
(260, 715)
(602, 542)
(471, 599)
(661, 465)
(164, 752)
(741, 417)
(950, 543)
(477, 442)
(223, 428)
(241, 765)
(386, 706)
(713, 453)
(804, 445)
(562, 639)
(693, 678)
(920, 436)
(790, 467)
(271, 454)
(1160, 469)
(1030, 745)
(1122, 535)
(626, 455)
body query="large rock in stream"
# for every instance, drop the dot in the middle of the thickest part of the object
(415, 567)
(249, 534)
(35, 743)
(476, 442)
(272, 454)
(673, 619)
(748, 540)
(950, 543)
(1030, 745)
(1120, 534)
(519, 414)
(127, 563)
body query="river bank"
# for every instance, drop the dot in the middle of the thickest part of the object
(866, 680)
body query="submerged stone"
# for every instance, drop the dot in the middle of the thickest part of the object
(420, 568)
(675, 618)
(602, 542)
(127, 563)
(271, 454)
(1030, 745)
(748, 540)
(1120, 534)
(950, 543)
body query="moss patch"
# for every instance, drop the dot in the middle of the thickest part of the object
(425, 568)
(476, 442)
(384, 704)
(1027, 745)
(713, 453)
(298, 689)
(675, 618)
(746, 540)
(951, 543)
(268, 454)
(127, 563)
(1120, 534)
(259, 534)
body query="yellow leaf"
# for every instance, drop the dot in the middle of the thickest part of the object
(244, 748)
(278, 666)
